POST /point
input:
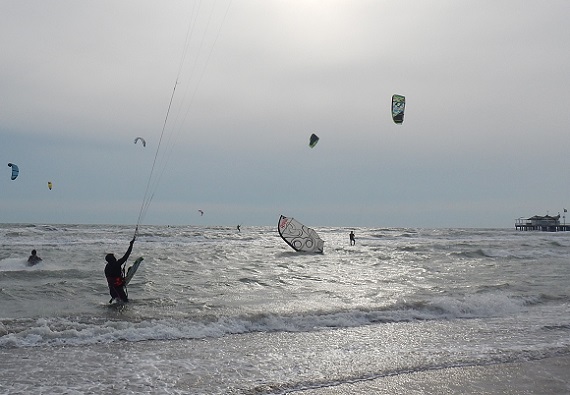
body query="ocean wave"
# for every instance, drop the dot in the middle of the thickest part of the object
(18, 264)
(77, 331)
(477, 253)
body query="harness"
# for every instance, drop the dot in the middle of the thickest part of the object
(116, 281)
(118, 285)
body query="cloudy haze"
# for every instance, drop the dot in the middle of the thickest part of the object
(484, 139)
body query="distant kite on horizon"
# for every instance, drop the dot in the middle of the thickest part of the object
(313, 140)
(50, 185)
(141, 140)
(15, 170)
(398, 105)
(201, 212)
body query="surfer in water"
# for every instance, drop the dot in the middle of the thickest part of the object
(115, 274)
(33, 259)
(352, 239)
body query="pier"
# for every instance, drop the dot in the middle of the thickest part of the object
(542, 223)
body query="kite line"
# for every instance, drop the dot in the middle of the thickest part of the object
(168, 135)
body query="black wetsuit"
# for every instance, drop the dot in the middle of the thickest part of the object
(33, 259)
(115, 279)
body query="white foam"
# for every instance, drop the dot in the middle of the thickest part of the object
(18, 264)
(59, 331)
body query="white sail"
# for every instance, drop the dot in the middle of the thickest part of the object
(299, 236)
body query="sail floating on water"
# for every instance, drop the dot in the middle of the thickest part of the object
(298, 236)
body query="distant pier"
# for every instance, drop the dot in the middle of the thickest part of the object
(542, 223)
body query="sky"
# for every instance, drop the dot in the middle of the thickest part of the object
(227, 93)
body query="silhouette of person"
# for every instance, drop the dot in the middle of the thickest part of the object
(33, 259)
(115, 274)
(352, 239)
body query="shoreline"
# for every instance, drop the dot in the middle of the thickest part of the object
(544, 376)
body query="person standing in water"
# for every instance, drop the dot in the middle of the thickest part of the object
(115, 274)
(33, 259)
(352, 239)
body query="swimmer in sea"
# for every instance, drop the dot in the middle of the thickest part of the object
(34, 258)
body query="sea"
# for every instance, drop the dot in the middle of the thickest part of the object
(217, 311)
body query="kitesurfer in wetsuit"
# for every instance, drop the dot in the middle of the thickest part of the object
(115, 274)
(33, 259)
(352, 239)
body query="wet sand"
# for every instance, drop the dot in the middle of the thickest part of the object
(546, 376)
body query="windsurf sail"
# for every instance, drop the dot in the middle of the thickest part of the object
(298, 236)
(15, 170)
(398, 105)
(313, 140)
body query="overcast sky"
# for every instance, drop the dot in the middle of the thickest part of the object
(485, 137)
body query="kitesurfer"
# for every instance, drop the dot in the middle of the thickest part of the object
(239, 228)
(115, 274)
(352, 239)
(33, 259)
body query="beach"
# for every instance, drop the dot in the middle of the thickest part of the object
(546, 376)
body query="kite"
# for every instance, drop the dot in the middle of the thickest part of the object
(15, 170)
(50, 185)
(201, 212)
(298, 236)
(142, 141)
(398, 105)
(313, 140)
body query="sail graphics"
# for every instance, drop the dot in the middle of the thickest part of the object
(298, 236)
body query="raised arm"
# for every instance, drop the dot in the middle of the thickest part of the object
(126, 256)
